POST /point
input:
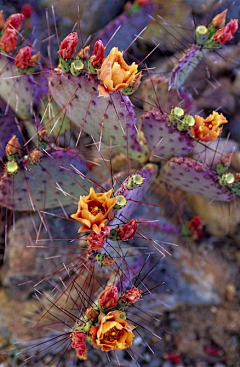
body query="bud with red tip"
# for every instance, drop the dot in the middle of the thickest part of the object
(128, 231)
(15, 21)
(109, 297)
(220, 19)
(27, 10)
(225, 34)
(96, 240)
(98, 54)
(131, 296)
(8, 40)
(68, 46)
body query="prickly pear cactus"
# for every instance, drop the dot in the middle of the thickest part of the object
(55, 181)
(188, 175)
(164, 140)
(108, 120)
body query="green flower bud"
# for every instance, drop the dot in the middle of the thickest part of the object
(121, 202)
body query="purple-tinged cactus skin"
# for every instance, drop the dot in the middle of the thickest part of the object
(37, 187)
(108, 120)
(185, 66)
(164, 140)
(188, 175)
(155, 91)
(131, 24)
(18, 91)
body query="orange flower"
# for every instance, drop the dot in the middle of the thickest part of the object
(208, 129)
(113, 332)
(94, 210)
(115, 74)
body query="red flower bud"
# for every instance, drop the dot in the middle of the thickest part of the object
(109, 297)
(23, 58)
(225, 34)
(79, 343)
(68, 46)
(131, 296)
(14, 21)
(96, 240)
(237, 176)
(98, 54)
(27, 10)
(8, 40)
(143, 2)
(195, 224)
(128, 231)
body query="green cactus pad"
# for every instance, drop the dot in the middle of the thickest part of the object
(35, 187)
(194, 177)
(108, 120)
(164, 140)
(18, 91)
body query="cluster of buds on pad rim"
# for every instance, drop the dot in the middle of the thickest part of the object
(182, 121)
(107, 327)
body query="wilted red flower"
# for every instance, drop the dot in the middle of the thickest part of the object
(79, 344)
(109, 297)
(98, 54)
(23, 58)
(68, 46)
(27, 10)
(195, 224)
(131, 296)
(128, 231)
(8, 40)
(96, 240)
(14, 21)
(225, 34)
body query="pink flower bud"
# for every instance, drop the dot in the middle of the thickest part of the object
(225, 34)
(23, 58)
(8, 40)
(96, 240)
(98, 54)
(128, 231)
(68, 46)
(14, 21)
(109, 297)
(79, 344)
(27, 10)
(131, 296)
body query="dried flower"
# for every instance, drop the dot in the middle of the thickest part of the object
(84, 53)
(8, 40)
(35, 156)
(225, 34)
(13, 146)
(226, 161)
(79, 344)
(109, 297)
(131, 296)
(220, 19)
(96, 240)
(115, 74)
(98, 54)
(91, 313)
(27, 10)
(14, 22)
(23, 58)
(195, 224)
(43, 135)
(94, 210)
(107, 261)
(208, 129)
(128, 231)
(68, 46)
(113, 332)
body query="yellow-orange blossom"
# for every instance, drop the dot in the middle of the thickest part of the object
(94, 210)
(115, 74)
(210, 128)
(112, 333)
